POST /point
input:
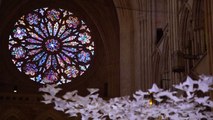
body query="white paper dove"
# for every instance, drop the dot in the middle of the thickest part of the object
(203, 86)
(92, 90)
(155, 89)
(174, 105)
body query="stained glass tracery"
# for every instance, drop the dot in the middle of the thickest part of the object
(51, 45)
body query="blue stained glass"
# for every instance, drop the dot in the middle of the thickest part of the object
(48, 64)
(32, 46)
(33, 35)
(50, 28)
(61, 31)
(68, 54)
(33, 52)
(18, 52)
(53, 15)
(65, 58)
(55, 28)
(71, 49)
(44, 29)
(50, 76)
(82, 68)
(30, 69)
(32, 18)
(38, 78)
(60, 61)
(42, 60)
(71, 72)
(52, 44)
(41, 11)
(84, 38)
(39, 31)
(72, 22)
(54, 62)
(69, 39)
(71, 43)
(18, 64)
(37, 57)
(84, 57)
(66, 34)
(19, 33)
(31, 40)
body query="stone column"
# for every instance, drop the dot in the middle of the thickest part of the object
(208, 5)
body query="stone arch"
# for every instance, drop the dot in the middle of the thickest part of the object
(126, 38)
(185, 26)
(192, 39)
(104, 72)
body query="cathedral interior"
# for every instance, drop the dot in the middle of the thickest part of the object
(133, 44)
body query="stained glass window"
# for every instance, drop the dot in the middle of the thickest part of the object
(51, 45)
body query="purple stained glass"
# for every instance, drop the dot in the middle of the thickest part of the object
(19, 33)
(32, 18)
(71, 72)
(84, 38)
(53, 14)
(50, 76)
(18, 52)
(30, 69)
(52, 45)
(84, 57)
(72, 22)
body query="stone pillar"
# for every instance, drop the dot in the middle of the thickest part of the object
(124, 13)
(208, 5)
(173, 36)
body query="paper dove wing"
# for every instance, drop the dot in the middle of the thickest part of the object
(92, 90)
(47, 99)
(207, 79)
(155, 89)
(169, 95)
(203, 86)
(201, 100)
(70, 95)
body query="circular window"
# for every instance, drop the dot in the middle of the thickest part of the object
(51, 45)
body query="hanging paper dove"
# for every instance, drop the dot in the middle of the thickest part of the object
(154, 89)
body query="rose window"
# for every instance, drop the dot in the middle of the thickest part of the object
(51, 45)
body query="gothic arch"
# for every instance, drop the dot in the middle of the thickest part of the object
(192, 39)
(104, 72)
(185, 26)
